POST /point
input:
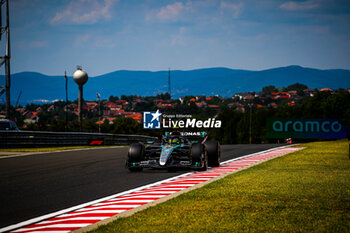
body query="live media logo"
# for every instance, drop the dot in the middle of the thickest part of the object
(151, 120)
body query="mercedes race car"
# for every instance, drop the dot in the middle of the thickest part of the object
(175, 150)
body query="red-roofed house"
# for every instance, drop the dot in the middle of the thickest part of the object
(201, 104)
(136, 116)
(122, 102)
(327, 90)
(293, 93)
(309, 92)
(215, 108)
(274, 105)
(164, 106)
(249, 97)
(51, 108)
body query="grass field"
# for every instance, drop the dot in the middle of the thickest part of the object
(306, 191)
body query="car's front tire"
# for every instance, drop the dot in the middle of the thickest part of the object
(136, 154)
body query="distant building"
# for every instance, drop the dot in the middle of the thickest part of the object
(273, 105)
(92, 106)
(215, 108)
(309, 92)
(164, 106)
(109, 119)
(293, 93)
(249, 97)
(51, 108)
(20, 110)
(240, 96)
(201, 104)
(200, 97)
(238, 106)
(327, 90)
(181, 99)
(121, 102)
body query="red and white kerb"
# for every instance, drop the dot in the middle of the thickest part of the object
(94, 213)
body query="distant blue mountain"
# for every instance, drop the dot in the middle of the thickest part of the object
(37, 87)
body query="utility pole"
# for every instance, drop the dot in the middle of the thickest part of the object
(6, 59)
(65, 76)
(19, 96)
(250, 122)
(99, 112)
(169, 84)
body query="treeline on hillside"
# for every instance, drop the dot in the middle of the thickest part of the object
(236, 125)
(237, 115)
(235, 128)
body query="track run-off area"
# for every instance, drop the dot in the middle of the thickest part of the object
(65, 191)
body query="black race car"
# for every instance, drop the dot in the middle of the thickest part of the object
(175, 150)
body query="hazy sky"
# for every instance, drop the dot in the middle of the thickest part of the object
(51, 36)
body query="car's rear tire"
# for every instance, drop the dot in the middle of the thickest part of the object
(136, 154)
(199, 155)
(214, 153)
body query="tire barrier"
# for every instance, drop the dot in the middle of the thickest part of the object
(28, 139)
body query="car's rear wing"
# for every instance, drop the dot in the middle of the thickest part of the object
(193, 136)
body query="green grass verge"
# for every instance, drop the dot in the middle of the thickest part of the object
(306, 191)
(48, 149)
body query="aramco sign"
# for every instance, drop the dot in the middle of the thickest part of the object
(305, 128)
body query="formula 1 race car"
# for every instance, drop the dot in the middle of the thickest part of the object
(175, 150)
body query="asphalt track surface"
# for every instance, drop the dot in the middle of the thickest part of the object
(35, 185)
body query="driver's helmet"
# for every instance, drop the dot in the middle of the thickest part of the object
(174, 140)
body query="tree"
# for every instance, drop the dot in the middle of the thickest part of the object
(58, 126)
(144, 106)
(113, 98)
(125, 125)
(297, 87)
(227, 134)
(269, 89)
(163, 96)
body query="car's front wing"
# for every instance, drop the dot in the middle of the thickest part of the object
(169, 164)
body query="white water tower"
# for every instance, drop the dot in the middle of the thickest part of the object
(80, 77)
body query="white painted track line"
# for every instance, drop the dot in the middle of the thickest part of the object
(88, 213)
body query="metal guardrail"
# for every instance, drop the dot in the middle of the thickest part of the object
(21, 139)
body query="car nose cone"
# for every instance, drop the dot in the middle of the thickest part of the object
(164, 155)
